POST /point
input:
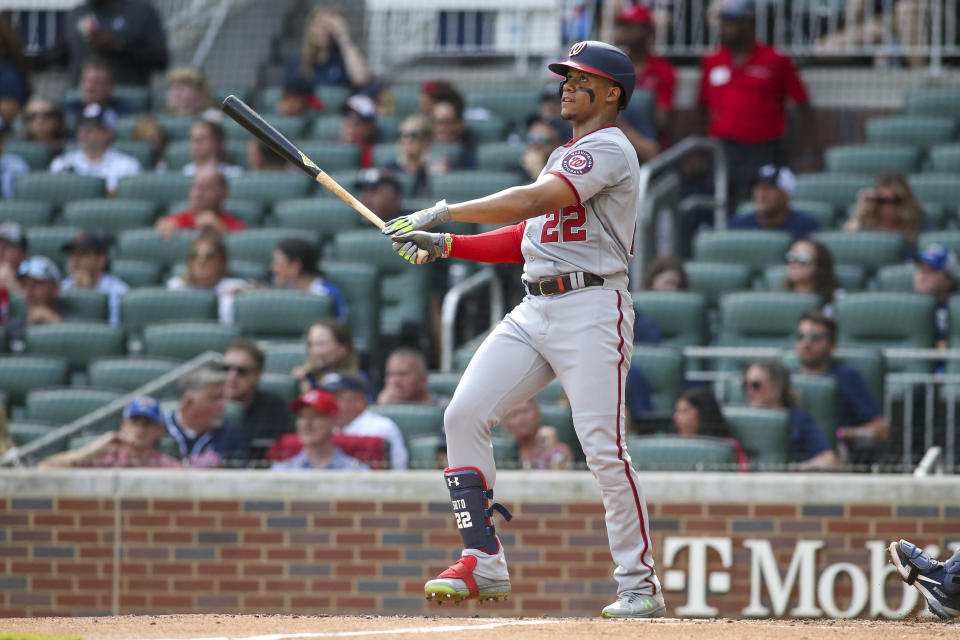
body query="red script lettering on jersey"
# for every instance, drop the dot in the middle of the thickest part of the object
(571, 220)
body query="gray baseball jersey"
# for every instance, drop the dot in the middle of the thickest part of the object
(596, 234)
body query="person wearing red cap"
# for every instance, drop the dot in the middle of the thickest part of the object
(635, 34)
(316, 411)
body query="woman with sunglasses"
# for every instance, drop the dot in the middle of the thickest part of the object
(766, 383)
(888, 206)
(810, 270)
(413, 154)
(207, 269)
(43, 122)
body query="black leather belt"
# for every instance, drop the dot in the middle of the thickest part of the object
(569, 282)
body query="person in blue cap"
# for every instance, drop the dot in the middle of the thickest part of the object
(936, 275)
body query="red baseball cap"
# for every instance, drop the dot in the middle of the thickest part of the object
(322, 401)
(635, 14)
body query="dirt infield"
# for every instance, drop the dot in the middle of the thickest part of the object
(278, 627)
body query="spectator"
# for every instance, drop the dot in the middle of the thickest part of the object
(697, 413)
(204, 438)
(88, 268)
(96, 157)
(40, 283)
(316, 420)
(260, 157)
(772, 187)
(329, 348)
(13, 251)
(188, 92)
(413, 154)
(743, 88)
(298, 98)
(207, 269)
(936, 274)
(359, 126)
(12, 166)
(328, 56)
(294, 266)
(134, 444)
(405, 380)
(869, 22)
(265, 414)
(147, 129)
(208, 148)
(96, 87)
(433, 91)
(635, 34)
(356, 419)
(542, 139)
(14, 72)
(861, 425)
(888, 206)
(665, 273)
(380, 191)
(207, 194)
(127, 34)
(549, 111)
(449, 127)
(766, 384)
(810, 270)
(538, 446)
(43, 122)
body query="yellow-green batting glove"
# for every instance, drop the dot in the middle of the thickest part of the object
(419, 221)
(420, 247)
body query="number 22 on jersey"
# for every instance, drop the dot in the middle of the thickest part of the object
(565, 225)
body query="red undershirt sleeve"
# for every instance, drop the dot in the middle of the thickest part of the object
(499, 245)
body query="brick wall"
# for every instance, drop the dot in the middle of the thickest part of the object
(318, 543)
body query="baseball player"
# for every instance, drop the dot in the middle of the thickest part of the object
(573, 229)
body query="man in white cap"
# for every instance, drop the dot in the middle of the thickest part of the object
(772, 187)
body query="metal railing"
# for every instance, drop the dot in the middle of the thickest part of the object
(486, 277)
(17, 455)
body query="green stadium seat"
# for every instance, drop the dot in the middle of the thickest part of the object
(137, 273)
(463, 353)
(868, 249)
(872, 158)
(64, 405)
(919, 131)
(945, 158)
(414, 420)
(933, 101)
(443, 383)
(161, 188)
(824, 212)
(764, 435)
(664, 368)
(384, 153)
(109, 215)
(20, 374)
(127, 374)
(152, 305)
(57, 188)
(551, 394)
(762, 318)
(388, 128)
(270, 186)
(282, 384)
(248, 270)
(949, 239)
(137, 98)
(269, 99)
(174, 127)
(360, 284)
(818, 396)
(884, 319)
(78, 342)
(37, 155)
(953, 316)
(185, 340)
(236, 151)
(145, 244)
(83, 304)
(23, 432)
(257, 245)
(452, 151)
(26, 213)
(457, 186)
(422, 452)
(279, 314)
(680, 315)
(942, 188)
(756, 249)
(499, 156)
(405, 99)
(142, 151)
(324, 216)
(177, 155)
(332, 157)
(838, 189)
(681, 453)
(404, 288)
(850, 277)
(896, 277)
(511, 104)
(492, 129)
(283, 357)
(326, 127)
(505, 453)
(333, 96)
(49, 241)
(714, 279)
(290, 126)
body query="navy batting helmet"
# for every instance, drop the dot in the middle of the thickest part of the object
(601, 59)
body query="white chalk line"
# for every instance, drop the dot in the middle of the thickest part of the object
(376, 632)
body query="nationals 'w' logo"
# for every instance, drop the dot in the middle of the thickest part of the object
(577, 49)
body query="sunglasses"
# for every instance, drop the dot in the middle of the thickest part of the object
(538, 139)
(813, 336)
(753, 385)
(241, 371)
(206, 255)
(800, 258)
(891, 200)
(38, 114)
(414, 135)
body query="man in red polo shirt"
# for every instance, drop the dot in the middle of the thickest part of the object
(635, 35)
(207, 195)
(743, 90)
